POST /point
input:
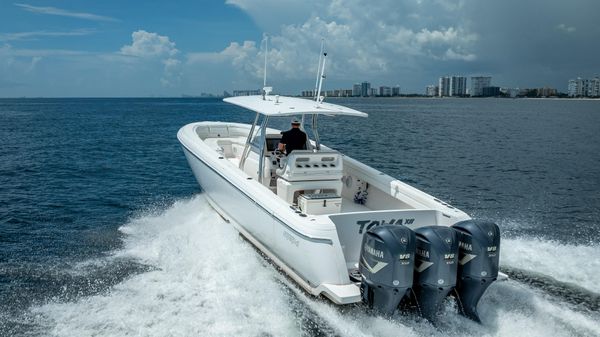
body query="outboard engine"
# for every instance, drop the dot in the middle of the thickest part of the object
(386, 264)
(435, 267)
(479, 251)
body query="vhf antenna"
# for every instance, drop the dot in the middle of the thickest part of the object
(316, 93)
(266, 90)
(322, 77)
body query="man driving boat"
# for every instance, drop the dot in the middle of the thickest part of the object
(293, 139)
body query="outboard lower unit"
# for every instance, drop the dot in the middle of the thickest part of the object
(386, 264)
(436, 263)
(479, 250)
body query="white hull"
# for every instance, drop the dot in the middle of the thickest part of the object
(317, 251)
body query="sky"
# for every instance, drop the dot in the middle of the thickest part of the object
(76, 48)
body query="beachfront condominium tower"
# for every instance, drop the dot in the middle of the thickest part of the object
(584, 87)
(458, 86)
(444, 86)
(356, 89)
(365, 89)
(452, 86)
(478, 83)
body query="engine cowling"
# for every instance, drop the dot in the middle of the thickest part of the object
(478, 264)
(436, 260)
(386, 264)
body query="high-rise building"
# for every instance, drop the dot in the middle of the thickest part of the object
(444, 86)
(452, 86)
(365, 89)
(396, 91)
(572, 88)
(458, 86)
(356, 90)
(594, 87)
(385, 91)
(583, 87)
(478, 83)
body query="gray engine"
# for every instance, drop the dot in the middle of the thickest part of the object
(479, 246)
(435, 267)
(431, 261)
(386, 265)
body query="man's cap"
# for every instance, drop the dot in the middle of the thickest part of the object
(295, 121)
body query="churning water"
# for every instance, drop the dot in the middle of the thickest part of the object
(104, 232)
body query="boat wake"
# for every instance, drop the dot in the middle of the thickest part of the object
(204, 279)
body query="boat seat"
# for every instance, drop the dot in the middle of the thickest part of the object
(226, 147)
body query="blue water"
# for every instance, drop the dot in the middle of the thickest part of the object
(103, 229)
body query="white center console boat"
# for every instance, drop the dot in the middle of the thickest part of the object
(336, 226)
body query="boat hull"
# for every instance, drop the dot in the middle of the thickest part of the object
(262, 220)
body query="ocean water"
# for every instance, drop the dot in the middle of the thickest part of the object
(105, 232)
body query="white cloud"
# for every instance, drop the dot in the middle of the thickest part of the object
(43, 33)
(147, 44)
(64, 12)
(363, 41)
(151, 46)
(565, 28)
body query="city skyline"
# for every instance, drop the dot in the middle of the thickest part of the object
(76, 48)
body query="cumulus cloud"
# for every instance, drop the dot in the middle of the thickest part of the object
(415, 42)
(364, 41)
(151, 46)
(147, 44)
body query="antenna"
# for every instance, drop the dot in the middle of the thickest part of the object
(266, 90)
(266, 52)
(316, 94)
(319, 97)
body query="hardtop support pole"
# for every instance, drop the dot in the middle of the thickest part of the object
(248, 140)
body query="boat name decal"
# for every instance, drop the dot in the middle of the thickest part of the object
(365, 225)
(375, 252)
(291, 239)
(465, 245)
(422, 252)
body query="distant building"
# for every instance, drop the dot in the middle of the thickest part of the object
(356, 90)
(572, 88)
(385, 91)
(444, 86)
(458, 86)
(431, 90)
(490, 92)
(373, 92)
(478, 83)
(594, 87)
(452, 86)
(546, 92)
(396, 91)
(365, 89)
(510, 92)
(583, 87)
(247, 92)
